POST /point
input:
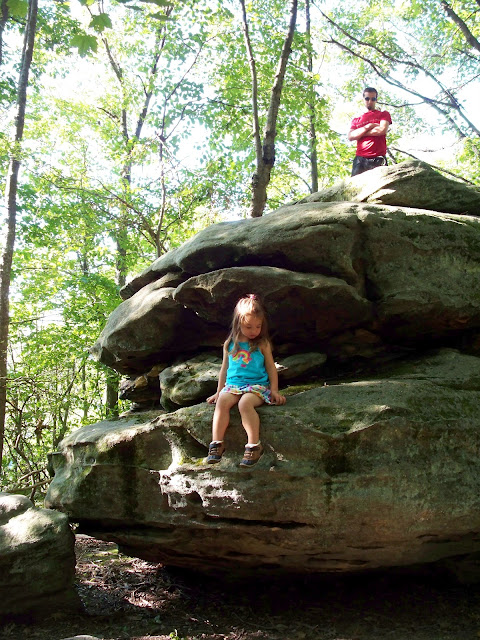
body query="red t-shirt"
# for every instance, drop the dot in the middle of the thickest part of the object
(371, 146)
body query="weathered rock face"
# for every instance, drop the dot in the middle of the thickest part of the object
(408, 184)
(380, 471)
(184, 384)
(411, 184)
(144, 330)
(37, 559)
(359, 475)
(346, 279)
(143, 390)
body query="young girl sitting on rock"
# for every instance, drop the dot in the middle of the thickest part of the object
(248, 377)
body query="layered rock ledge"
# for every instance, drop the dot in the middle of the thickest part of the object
(375, 473)
(373, 294)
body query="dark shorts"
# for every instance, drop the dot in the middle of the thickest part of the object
(360, 164)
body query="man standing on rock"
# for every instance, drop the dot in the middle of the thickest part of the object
(370, 132)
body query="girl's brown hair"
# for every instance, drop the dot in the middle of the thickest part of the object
(248, 305)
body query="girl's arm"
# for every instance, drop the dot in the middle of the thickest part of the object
(277, 397)
(221, 377)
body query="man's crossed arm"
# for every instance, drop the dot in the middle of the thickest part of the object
(371, 129)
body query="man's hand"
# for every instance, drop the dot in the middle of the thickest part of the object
(356, 134)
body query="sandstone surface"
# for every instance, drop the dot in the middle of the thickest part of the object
(407, 184)
(373, 473)
(411, 184)
(37, 559)
(374, 311)
(398, 276)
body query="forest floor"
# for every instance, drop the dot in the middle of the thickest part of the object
(126, 598)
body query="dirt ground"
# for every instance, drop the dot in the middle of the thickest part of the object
(126, 598)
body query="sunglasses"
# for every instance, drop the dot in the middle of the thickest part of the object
(368, 99)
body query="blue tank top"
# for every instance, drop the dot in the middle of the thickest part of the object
(246, 367)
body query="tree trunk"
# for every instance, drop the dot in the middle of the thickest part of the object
(3, 22)
(311, 106)
(11, 205)
(468, 35)
(121, 232)
(265, 153)
(111, 400)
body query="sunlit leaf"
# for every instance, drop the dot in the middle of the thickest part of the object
(161, 16)
(17, 8)
(84, 43)
(101, 22)
(159, 3)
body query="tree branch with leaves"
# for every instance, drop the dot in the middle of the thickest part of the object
(11, 207)
(443, 105)
(265, 148)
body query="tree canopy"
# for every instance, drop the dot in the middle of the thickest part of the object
(145, 121)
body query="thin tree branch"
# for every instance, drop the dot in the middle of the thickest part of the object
(434, 103)
(253, 73)
(396, 83)
(160, 44)
(469, 37)
(409, 63)
(437, 168)
(29, 487)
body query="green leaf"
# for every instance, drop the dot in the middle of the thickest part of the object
(101, 22)
(86, 3)
(84, 44)
(17, 8)
(159, 3)
(161, 16)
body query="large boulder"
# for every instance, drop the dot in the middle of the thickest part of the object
(394, 276)
(374, 473)
(412, 184)
(190, 382)
(407, 184)
(373, 301)
(37, 560)
(146, 329)
(301, 306)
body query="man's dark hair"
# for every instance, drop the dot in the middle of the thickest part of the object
(370, 90)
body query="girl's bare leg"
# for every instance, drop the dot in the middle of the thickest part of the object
(250, 418)
(221, 416)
